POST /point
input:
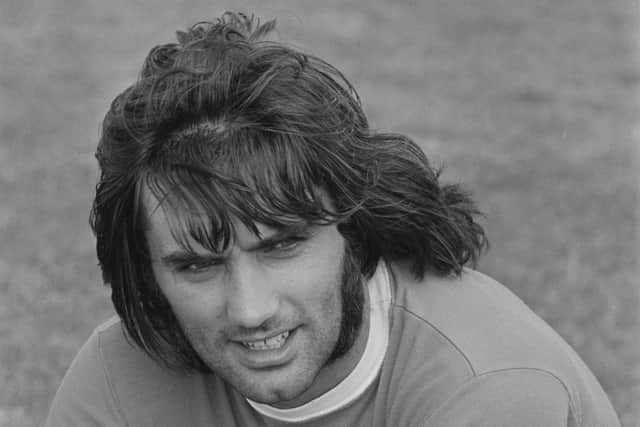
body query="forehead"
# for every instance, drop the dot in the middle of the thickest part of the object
(170, 228)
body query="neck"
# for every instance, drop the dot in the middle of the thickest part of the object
(333, 373)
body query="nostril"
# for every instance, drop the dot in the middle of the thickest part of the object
(251, 311)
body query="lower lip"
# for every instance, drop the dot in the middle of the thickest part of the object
(271, 358)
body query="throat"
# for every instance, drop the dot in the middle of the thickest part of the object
(341, 383)
(335, 371)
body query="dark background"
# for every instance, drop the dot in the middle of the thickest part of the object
(532, 104)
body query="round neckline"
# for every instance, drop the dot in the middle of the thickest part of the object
(365, 371)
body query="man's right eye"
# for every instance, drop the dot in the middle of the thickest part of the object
(196, 267)
(192, 268)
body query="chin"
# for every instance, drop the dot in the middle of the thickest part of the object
(275, 396)
(284, 392)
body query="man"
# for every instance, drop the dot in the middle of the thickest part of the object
(273, 261)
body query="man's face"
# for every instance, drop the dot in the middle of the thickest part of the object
(266, 314)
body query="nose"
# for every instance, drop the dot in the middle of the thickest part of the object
(252, 297)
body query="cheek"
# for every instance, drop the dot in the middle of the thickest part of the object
(329, 267)
(195, 311)
(316, 276)
(191, 304)
(320, 285)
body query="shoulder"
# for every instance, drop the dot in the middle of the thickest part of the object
(476, 331)
(85, 396)
(481, 318)
(113, 382)
(500, 398)
(148, 392)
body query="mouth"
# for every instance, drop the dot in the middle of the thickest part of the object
(270, 343)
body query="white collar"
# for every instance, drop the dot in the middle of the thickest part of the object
(365, 372)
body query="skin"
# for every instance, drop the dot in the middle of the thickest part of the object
(260, 287)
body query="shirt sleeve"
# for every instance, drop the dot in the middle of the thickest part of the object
(514, 397)
(84, 397)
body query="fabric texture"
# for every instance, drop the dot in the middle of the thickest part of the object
(462, 351)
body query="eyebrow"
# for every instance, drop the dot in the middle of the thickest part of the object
(301, 229)
(179, 257)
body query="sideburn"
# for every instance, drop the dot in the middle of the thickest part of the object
(352, 293)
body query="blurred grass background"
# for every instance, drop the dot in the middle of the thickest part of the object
(532, 104)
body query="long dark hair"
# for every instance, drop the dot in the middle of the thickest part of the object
(226, 123)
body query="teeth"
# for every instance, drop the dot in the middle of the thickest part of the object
(267, 344)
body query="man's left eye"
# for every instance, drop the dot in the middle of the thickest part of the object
(286, 245)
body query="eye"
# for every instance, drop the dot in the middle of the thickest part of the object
(196, 268)
(192, 267)
(285, 246)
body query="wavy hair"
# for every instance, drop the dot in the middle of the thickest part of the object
(229, 124)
